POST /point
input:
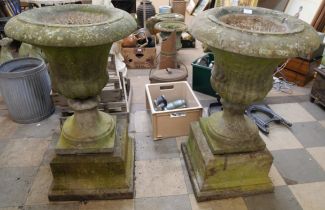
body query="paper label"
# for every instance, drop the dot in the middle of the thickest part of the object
(248, 11)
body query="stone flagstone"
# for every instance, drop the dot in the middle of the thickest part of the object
(156, 178)
(226, 204)
(38, 193)
(310, 196)
(292, 112)
(127, 204)
(14, 185)
(23, 153)
(280, 137)
(275, 176)
(177, 202)
(318, 154)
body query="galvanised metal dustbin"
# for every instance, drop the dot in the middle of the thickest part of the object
(25, 86)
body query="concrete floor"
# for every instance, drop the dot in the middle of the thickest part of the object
(162, 182)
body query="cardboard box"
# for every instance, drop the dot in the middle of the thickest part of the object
(140, 58)
(175, 122)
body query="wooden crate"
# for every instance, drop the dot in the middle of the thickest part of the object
(303, 66)
(175, 122)
(297, 78)
(318, 89)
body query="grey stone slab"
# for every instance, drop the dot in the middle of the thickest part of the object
(14, 185)
(50, 152)
(281, 199)
(12, 208)
(310, 134)
(8, 127)
(55, 206)
(42, 129)
(3, 144)
(315, 110)
(138, 72)
(138, 107)
(297, 166)
(23, 153)
(148, 149)
(186, 177)
(180, 202)
(131, 127)
(142, 121)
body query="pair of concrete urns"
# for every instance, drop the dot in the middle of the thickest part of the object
(225, 155)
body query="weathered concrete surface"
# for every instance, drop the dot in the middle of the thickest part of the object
(76, 49)
(78, 72)
(96, 176)
(297, 39)
(223, 176)
(41, 27)
(247, 48)
(225, 155)
(240, 80)
(88, 130)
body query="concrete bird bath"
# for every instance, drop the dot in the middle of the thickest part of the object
(225, 154)
(94, 154)
(166, 27)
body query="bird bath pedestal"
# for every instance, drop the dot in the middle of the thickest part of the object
(225, 155)
(170, 32)
(94, 155)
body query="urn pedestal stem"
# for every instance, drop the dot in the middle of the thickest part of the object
(88, 130)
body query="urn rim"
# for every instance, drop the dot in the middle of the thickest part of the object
(296, 39)
(35, 16)
(284, 23)
(36, 27)
(170, 26)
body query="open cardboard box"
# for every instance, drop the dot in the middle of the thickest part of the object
(172, 123)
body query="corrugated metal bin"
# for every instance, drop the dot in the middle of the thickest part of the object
(25, 86)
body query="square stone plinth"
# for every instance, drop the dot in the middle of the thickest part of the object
(223, 176)
(96, 176)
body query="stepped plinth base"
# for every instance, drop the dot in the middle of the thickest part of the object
(228, 175)
(94, 176)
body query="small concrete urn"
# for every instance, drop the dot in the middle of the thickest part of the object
(94, 156)
(225, 154)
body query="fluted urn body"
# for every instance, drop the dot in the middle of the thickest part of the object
(76, 40)
(248, 44)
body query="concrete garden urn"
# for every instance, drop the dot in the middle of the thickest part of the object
(225, 154)
(94, 156)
